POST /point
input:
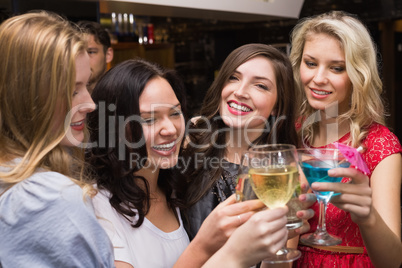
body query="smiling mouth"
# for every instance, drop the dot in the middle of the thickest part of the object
(164, 147)
(239, 107)
(77, 123)
(320, 92)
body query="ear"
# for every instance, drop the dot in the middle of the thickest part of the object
(109, 55)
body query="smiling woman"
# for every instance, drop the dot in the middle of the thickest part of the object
(336, 70)
(252, 101)
(143, 134)
(45, 203)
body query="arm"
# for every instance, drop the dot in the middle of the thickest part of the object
(222, 223)
(261, 236)
(122, 264)
(375, 209)
(216, 229)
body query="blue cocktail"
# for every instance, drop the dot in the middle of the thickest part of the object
(315, 164)
(317, 171)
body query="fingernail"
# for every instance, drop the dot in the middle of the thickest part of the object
(302, 197)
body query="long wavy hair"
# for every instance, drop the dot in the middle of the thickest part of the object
(117, 96)
(283, 127)
(366, 105)
(37, 79)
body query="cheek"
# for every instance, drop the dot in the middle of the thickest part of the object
(304, 76)
(265, 102)
(180, 127)
(347, 85)
(226, 92)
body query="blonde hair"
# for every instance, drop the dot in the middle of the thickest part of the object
(37, 78)
(366, 105)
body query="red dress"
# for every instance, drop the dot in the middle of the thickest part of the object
(379, 144)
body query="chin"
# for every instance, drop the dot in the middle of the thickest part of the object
(168, 163)
(72, 141)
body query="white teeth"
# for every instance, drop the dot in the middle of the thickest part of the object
(76, 124)
(321, 92)
(164, 147)
(239, 107)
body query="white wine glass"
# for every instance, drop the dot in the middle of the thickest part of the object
(315, 163)
(244, 191)
(273, 175)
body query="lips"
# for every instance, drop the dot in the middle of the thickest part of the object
(237, 108)
(319, 93)
(165, 149)
(78, 126)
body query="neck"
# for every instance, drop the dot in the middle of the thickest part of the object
(330, 129)
(151, 176)
(238, 141)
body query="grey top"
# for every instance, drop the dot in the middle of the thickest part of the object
(45, 221)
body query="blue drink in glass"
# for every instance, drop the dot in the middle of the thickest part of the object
(315, 163)
(317, 171)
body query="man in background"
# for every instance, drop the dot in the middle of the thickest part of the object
(99, 49)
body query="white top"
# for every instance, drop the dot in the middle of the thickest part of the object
(46, 222)
(145, 246)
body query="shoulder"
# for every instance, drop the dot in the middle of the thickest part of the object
(380, 143)
(43, 188)
(102, 206)
(380, 137)
(49, 207)
(108, 217)
(44, 193)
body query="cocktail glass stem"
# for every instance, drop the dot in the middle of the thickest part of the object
(321, 237)
(323, 202)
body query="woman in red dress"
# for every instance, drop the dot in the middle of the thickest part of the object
(335, 66)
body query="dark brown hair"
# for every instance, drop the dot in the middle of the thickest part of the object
(118, 92)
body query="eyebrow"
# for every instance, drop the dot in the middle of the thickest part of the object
(153, 112)
(256, 77)
(332, 61)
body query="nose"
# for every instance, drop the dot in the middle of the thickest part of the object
(168, 128)
(242, 92)
(320, 76)
(87, 105)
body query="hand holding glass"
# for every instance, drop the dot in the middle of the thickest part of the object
(272, 172)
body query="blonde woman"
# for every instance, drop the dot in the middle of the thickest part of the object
(335, 68)
(46, 215)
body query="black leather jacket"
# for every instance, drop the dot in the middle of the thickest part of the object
(224, 187)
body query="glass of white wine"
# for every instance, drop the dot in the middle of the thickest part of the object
(273, 175)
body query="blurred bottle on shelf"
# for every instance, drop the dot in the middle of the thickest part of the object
(150, 33)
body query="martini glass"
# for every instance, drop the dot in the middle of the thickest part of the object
(315, 163)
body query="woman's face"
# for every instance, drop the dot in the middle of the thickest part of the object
(81, 105)
(162, 123)
(249, 95)
(323, 73)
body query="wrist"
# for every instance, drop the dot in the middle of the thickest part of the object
(201, 248)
